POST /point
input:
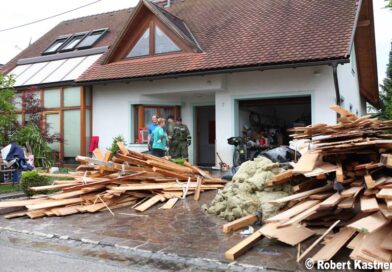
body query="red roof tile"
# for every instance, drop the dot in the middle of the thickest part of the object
(236, 33)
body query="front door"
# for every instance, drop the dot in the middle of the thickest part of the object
(205, 135)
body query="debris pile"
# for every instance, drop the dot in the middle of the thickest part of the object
(247, 192)
(347, 189)
(129, 179)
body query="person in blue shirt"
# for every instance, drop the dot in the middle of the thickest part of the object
(151, 127)
(159, 139)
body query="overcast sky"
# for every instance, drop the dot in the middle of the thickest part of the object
(17, 12)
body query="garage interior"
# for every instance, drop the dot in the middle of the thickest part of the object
(270, 118)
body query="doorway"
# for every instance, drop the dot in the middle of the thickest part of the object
(205, 135)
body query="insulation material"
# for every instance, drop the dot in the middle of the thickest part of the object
(246, 193)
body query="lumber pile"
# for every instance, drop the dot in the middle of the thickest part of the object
(346, 191)
(107, 182)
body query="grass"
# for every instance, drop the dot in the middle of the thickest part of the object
(9, 188)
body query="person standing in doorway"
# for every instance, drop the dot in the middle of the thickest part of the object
(170, 131)
(181, 140)
(159, 139)
(151, 127)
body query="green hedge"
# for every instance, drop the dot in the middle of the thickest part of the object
(32, 179)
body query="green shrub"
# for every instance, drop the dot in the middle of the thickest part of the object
(114, 148)
(32, 179)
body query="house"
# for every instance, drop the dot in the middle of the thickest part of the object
(220, 64)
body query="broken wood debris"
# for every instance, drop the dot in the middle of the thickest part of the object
(129, 179)
(343, 182)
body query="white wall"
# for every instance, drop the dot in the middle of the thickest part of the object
(112, 103)
(111, 108)
(349, 86)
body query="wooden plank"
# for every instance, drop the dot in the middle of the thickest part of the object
(370, 223)
(369, 181)
(98, 154)
(356, 241)
(281, 178)
(350, 192)
(53, 203)
(385, 211)
(197, 191)
(331, 201)
(287, 214)
(317, 241)
(18, 203)
(149, 203)
(108, 155)
(339, 173)
(306, 163)
(320, 196)
(389, 203)
(369, 204)
(372, 244)
(302, 194)
(347, 203)
(385, 193)
(243, 246)
(387, 242)
(169, 204)
(51, 187)
(301, 216)
(240, 223)
(122, 148)
(15, 214)
(334, 245)
(291, 235)
(323, 168)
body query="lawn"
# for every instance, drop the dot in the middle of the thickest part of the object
(8, 188)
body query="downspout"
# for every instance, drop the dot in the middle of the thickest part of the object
(336, 82)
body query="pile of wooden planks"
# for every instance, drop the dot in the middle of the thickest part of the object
(107, 182)
(346, 187)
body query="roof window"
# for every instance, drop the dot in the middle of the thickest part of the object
(56, 45)
(73, 42)
(92, 38)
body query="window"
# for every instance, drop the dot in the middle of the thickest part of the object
(142, 117)
(56, 45)
(160, 43)
(72, 42)
(163, 44)
(91, 38)
(142, 47)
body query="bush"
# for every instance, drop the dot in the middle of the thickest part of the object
(114, 148)
(32, 179)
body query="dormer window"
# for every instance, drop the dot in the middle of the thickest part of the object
(56, 45)
(154, 41)
(163, 44)
(73, 42)
(142, 47)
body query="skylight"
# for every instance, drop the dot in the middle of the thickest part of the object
(56, 45)
(72, 42)
(75, 41)
(91, 38)
(142, 47)
(163, 44)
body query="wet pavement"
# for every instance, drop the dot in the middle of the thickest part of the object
(184, 231)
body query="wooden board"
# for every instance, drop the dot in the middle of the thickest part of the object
(240, 248)
(301, 216)
(370, 223)
(306, 163)
(369, 204)
(169, 204)
(351, 191)
(18, 203)
(387, 242)
(287, 214)
(385, 211)
(371, 244)
(385, 193)
(334, 245)
(53, 203)
(331, 201)
(356, 241)
(347, 203)
(302, 194)
(291, 235)
(149, 203)
(240, 223)
(369, 181)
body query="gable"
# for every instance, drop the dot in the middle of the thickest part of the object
(149, 27)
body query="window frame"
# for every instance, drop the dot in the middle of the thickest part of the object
(70, 39)
(152, 52)
(103, 30)
(63, 37)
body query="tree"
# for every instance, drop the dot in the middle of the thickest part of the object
(386, 95)
(7, 108)
(389, 5)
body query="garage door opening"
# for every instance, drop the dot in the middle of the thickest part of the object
(267, 120)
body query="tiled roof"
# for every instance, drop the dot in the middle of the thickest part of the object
(235, 33)
(113, 20)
